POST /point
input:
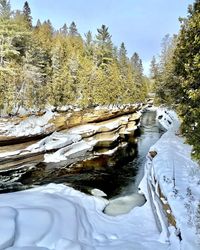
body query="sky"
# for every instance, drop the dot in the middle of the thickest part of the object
(140, 24)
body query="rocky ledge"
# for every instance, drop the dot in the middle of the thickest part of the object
(55, 143)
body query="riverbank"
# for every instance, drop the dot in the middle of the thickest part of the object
(73, 220)
(173, 184)
(89, 145)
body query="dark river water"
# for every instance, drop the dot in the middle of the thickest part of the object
(124, 179)
(120, 178)
(149, 134)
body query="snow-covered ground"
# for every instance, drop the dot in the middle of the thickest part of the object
(61, 218)
(178, 177)
(57, 217)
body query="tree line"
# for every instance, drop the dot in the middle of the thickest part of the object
(41, 66)
(176, 75)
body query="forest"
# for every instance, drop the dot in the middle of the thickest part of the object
(41, 66)
(92, 148)
(176, 75)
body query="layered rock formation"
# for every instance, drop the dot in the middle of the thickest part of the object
(69, 142)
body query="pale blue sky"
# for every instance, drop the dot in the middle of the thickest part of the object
(140, 24)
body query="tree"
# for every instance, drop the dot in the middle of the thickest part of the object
(123, 55)
(27, 14)
(89, 44)
(73, 30)
(105, 47)
(137, 63)
(165, 81)
(137, 67)
(64, 30)
(187, 69)
(5, 9)
(179, 79)
(154, 71)
(38, 24)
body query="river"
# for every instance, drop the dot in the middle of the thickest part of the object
(120, 179)
(124, 179)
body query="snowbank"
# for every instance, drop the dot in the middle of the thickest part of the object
(56, 217)
(168, 119)
(125, 204)
(174, 183)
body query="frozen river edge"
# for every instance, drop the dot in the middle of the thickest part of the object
(59, 217)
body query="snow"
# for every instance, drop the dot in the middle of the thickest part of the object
(72, 151)
(97, 192)
(168, 119)
(54, 141)
(178, 177)
(31, 126)
(125, 204)
(57, 217)
(91, 129)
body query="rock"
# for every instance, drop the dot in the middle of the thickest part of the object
(105, 132)
(152, 153)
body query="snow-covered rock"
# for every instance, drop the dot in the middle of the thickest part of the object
(125, 204)
(30, 126)
(72, 151)
(168, 119)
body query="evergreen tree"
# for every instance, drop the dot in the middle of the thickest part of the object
(27, 14)
(187, 69)
(5, 9)
(73, 30)
(137, 67)
(86, 78)
(38, 24)
(165, 80)
(64, 30)
(123, 55)
(137, 63)
(154, 71)
(105, 47)
(40, 66)
(89, 44)
(179, 76)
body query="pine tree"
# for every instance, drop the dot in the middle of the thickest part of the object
(27, 14)
(86, 79)
(73, 30)
(137, 63)
(154, 71)
(35, 78)
(38, 24)
(89, 44)
(137, 67)
(123, 55)
(105, 47)
(165, 81)
(64, 30)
